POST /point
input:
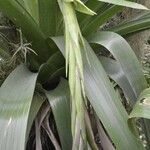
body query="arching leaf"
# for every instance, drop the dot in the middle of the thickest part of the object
(125, 56)
(125, 3)
(15, 100)
(104, 100)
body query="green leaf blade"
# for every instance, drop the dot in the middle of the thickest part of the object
(115, 72)
(132, 26)
(104, 100)
(125, 3)
(108, 105)
(32, 7)
(142, 107)
(15, 99)
(49, 16)
(59, 101)
(121, 52)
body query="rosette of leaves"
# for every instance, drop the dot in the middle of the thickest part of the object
(65, 37)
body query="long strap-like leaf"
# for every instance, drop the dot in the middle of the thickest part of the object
(101, 18)
(125, 57)
(97, 21)
(107, 104)
(125, 3)
(60, 104)
(49, 16)
(105, 101)
(15, 100)
(34, 108)
(32, 7)
(115, 72)
(132, 26)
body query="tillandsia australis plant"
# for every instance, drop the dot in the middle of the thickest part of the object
(69, 92)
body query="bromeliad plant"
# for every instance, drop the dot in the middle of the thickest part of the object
(73, 29)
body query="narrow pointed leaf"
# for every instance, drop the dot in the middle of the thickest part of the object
(15, 100)
(97, 7)
(125, 3)
(102, 17)
(132, 26)
(94, 5)
(79, 6)
(98, 20)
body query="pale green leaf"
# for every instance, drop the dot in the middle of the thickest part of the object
(81, 7)
(96, 6)
(125, 3)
